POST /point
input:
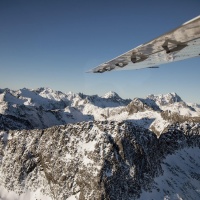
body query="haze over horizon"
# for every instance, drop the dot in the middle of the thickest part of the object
(52, 44)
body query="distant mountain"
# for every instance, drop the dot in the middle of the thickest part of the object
(44, 107)
(111, 95)
(166, 99)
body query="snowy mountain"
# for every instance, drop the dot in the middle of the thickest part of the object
(166, 99)
(100, 160)
(56, 146)
(43, 108)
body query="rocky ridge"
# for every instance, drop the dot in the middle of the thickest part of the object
(101, 147)
(97, 160)
(44, 107)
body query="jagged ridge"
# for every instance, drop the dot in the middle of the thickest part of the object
(96, 160)
(43, 108)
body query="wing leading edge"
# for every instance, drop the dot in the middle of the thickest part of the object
(178, 44)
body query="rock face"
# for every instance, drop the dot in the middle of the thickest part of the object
(141, 105)
(99, 160)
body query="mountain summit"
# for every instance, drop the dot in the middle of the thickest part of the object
(111, 95)
(166, 99)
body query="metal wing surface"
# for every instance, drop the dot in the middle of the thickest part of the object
(179, 44)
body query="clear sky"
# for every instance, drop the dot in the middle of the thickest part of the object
(52, 43)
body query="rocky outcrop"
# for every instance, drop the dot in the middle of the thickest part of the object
(141, 105)
(93, 160)
(10, 122)
(175, 117)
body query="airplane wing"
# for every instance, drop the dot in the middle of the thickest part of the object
(179, 44)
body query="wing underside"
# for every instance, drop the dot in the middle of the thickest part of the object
(179, 44)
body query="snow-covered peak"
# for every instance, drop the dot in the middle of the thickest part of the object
(51, 94)
(8, 96)
(43, 89)
(195, 107)
(165, 99)
(111, 95)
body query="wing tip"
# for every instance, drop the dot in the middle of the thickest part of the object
(198, 17)
(89, 72)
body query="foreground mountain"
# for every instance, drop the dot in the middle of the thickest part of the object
(100, 160)
(43, 108)
(56, 146)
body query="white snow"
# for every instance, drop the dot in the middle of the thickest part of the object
(89, 146)
(165, 99)
(181, 109)
(195, 106)
(28, 195)
(74, 197)
(110, 94)
(180, 179)
(45, 107)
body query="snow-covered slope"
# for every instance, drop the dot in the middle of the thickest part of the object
(180, 178)
(100, 160)
(175, 104)
(166, 99)
(44, 107)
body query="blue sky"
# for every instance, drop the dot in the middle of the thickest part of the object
(49, 43)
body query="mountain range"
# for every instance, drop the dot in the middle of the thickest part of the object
(44, 108)
(67, 146)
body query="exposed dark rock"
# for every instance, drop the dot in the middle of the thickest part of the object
(98, 160)
(141, 105)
